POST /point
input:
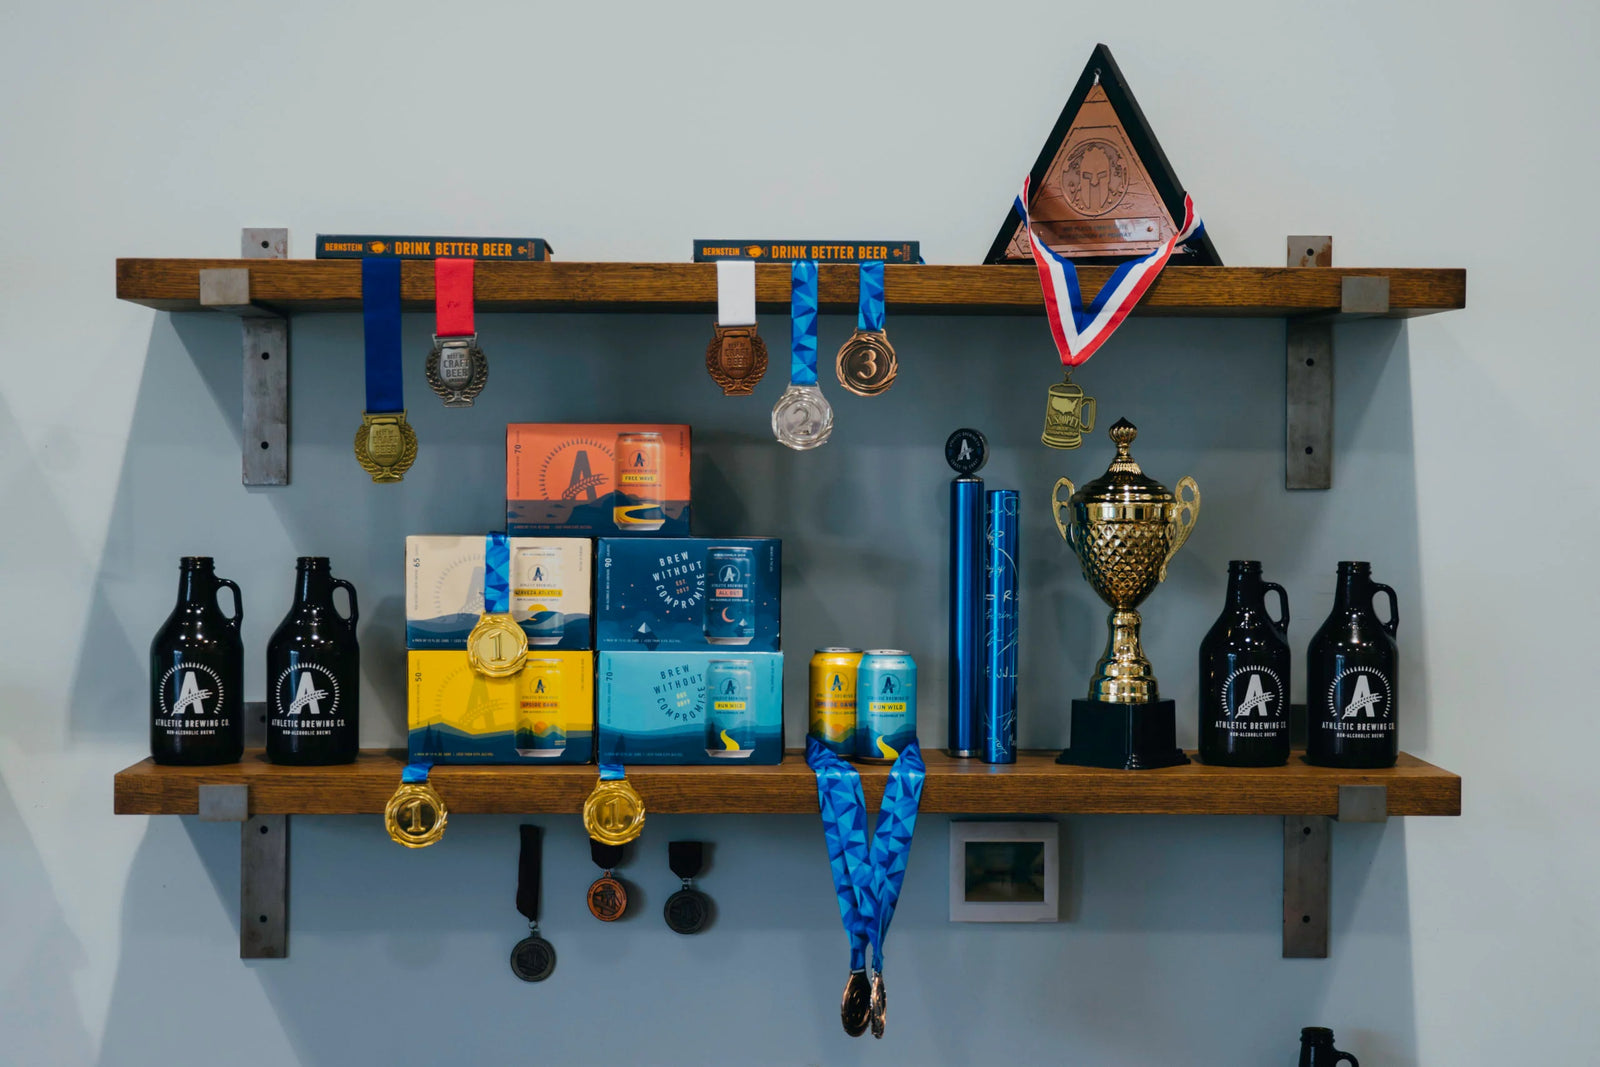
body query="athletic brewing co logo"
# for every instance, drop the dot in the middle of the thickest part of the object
(1367, 696)
(558, 481)
(837, 684)
(1262, 697)
(888, 686)
(315, 692)
(197, 684)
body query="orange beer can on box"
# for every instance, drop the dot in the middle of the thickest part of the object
(597, 479)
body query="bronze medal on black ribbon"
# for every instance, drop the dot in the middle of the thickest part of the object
(608, 897)
(688, 911)
(533, 959)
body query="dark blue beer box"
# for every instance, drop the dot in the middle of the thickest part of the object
(688, 593)
(706, 707)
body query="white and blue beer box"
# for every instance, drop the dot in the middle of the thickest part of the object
(682, 593)
(690, 707)
(549, 587)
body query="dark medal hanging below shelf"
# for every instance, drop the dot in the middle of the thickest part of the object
(533, 959)
(608, 897)
(687, 911)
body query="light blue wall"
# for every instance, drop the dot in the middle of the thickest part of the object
(622, 135)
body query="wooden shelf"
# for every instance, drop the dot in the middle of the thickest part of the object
(1034, 785)
(289, 285)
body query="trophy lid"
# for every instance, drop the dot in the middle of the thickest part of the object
(1123, 482)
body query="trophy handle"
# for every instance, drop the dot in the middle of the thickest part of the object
(1086, 414)
(1178, 527)
(1057, 504)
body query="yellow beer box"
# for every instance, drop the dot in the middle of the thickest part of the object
(542, 714)
(550, 590)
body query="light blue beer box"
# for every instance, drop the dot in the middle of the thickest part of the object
(549, 590)
(670, 593)
(690, 707)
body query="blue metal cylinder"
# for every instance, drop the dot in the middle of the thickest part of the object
(966, 615)
(999, 734)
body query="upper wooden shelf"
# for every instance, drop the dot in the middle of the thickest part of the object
(1034, 785)
(335, 285)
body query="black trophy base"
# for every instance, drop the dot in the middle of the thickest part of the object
(1126, 737)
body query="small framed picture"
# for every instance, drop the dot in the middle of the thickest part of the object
(1004, 872)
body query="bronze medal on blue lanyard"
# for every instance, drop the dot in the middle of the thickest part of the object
(866, 363)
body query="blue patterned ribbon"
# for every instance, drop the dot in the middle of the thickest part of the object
(803, 322)
(496, 574)
(380, 312)
(867, 880)
(869, 308)
(610, 772)
(844, 825)
(891, 841)
(416, 773)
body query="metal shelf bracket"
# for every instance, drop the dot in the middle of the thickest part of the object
(1307, 868)
(263, 870)
(265, 440)
(1308, 344)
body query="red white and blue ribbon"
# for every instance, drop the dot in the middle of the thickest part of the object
(1080, 330)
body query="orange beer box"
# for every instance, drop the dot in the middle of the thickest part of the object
(597, 479)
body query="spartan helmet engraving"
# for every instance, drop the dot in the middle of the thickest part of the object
(1095, 179)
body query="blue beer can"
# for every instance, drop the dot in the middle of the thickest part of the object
(730, 595)
(730, 712)
(886, 704)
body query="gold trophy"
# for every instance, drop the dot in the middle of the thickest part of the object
(1125, 527)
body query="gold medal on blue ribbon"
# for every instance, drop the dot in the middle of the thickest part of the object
(497, 647)
(385, 444)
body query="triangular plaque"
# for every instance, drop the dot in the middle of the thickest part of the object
(1103, 191)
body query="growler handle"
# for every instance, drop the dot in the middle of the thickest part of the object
(1393, 622)
(1341, 1057)
(349, 591)
(1282, 625)
(1180, 527)
(1057, 505)
(1086, 414)
(238, 603)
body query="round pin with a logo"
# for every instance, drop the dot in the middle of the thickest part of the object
(966, 451)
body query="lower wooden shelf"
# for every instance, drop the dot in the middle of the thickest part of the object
(1034, 785)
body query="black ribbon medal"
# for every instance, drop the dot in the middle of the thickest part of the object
(533, 959)
(688, 911)
(608, 897)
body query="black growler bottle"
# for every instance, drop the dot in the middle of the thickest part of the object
(1244, 676)
(314, 674)
(1316, 1049)
(197, 673)
(1353, 678)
